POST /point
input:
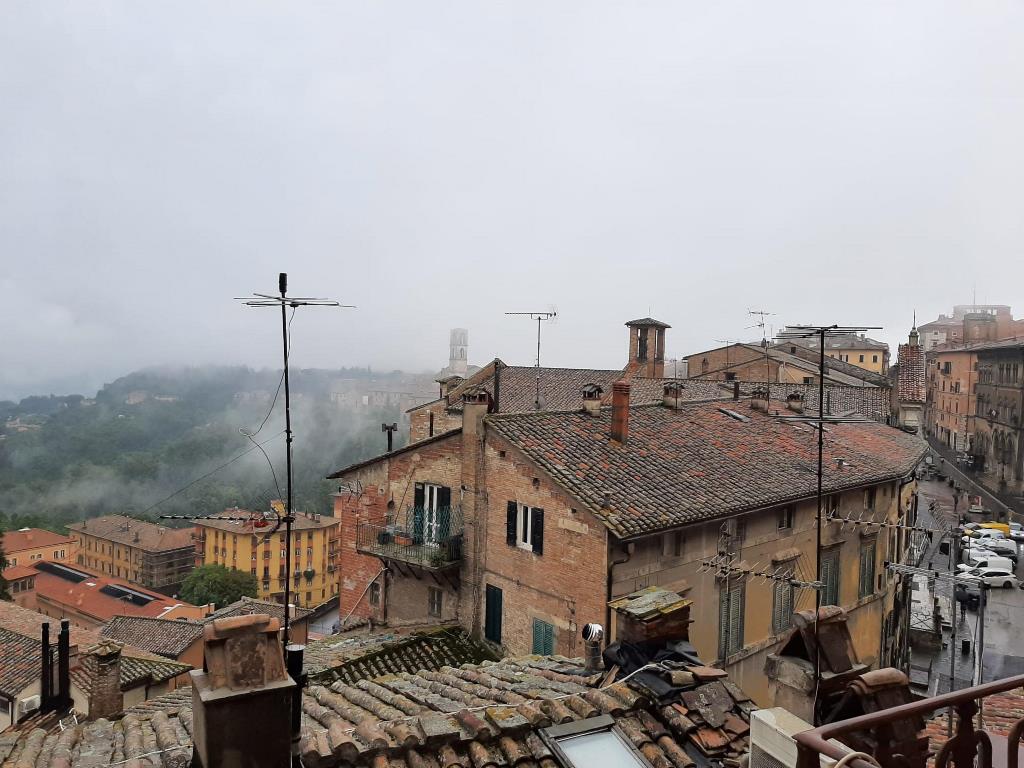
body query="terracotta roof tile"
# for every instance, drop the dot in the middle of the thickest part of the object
(249, 605)
(703, 462)
(19, 662)
(911, 383)
(142, 534)
(13, 542)
(164, 637)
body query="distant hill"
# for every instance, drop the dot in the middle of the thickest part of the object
(147, 435)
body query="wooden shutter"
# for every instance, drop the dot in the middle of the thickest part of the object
(543, 638)
(730, 618)
(782, 609)
(492, 614)
(830, 577)
(511, 515)
(867, 569)
(537, 531)
(444, 513)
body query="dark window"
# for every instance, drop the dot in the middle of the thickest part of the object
(730, 618)
(867, 569)
(874, 358)
(434, 601)
(543, 638)
(782, 606)
(641, 344)
(869, 498)
(492, 614)
(375, 593)
(672, 544)
(861, 359)
(808, 380)
(730, 377)
(786, 517)
(430, 426)
(830, 576)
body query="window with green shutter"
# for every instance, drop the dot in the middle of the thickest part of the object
(867, 568)
(830, 576)
(492, 613)
(782, 606)
(731, 605)
(543, 638)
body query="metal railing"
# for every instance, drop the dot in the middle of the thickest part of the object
(426, 538)
(967, 747)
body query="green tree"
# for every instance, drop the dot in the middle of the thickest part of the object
(216, 584)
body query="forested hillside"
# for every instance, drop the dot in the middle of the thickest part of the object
(148, 435)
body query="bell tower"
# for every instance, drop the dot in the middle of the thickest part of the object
(647, 347)
(458, 351)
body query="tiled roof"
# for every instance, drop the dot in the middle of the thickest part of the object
(250, 605)
(19, 662)
(649, 321)
(18, 572)
(29, 623)
(164, 637)
(483, 716)
(359, 655)
(697, 463)
(95, 595)
(135, 533)
(134, 672)
(870, 402)
(560, 388)
(911, 384)
(303, 522)
(397, 452)
(644, 390)
(834, 364)
(844, 341)
(13, 542)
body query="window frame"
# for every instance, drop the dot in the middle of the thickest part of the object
(601, 724)
(826, 556)
(736, 635)
(787, 518)
(431, 593)
(866, 575)
(783, 621)
(549, 630)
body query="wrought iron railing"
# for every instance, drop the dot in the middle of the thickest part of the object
(968, 746)
(429, 538)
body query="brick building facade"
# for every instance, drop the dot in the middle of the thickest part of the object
(552, 514)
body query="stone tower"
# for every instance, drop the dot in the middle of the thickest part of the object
(458, 351)
(647, 347)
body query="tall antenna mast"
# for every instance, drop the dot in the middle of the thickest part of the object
(284, 301)
(762, 314)
(538, 316)
(820, 332)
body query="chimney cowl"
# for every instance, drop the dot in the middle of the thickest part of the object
(759, 399)
(672, 394)
(592, 394)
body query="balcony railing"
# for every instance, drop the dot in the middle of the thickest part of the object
(968, 746)
(429, 539)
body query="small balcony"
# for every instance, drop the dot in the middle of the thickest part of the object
(424, 538)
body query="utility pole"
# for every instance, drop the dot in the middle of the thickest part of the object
(284, 302)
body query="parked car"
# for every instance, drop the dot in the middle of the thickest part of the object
(1017, 531)
(993, 577)
(980, 534)
(984, 559)
(1004, 547)
(995, 526)
(981, 558)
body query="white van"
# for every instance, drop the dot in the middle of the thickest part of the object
(980, 558)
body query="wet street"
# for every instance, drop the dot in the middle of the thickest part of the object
(1004, 612)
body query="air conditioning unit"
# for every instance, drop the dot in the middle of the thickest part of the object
(771, 739)
(31, 704)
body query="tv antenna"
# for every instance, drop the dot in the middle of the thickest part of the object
(762, 314)
(820, 332)
(539, 317)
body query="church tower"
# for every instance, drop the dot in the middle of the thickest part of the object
(458, 351)
(647, 347)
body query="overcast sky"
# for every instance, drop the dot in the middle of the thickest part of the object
(439, 163)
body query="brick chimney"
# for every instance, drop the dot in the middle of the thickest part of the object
(592, 399)
(102, 664)
(759, 399)
(241, 704)
(647, 347)
(620, 411)
(795, 402)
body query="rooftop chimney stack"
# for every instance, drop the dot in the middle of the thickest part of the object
(759, 399)
(102, 663)
(242, 703)
(62, 697)
(592, 636)
(620, 412)
(673, 394)
(651, 614)
(795, 402)
(592, 399)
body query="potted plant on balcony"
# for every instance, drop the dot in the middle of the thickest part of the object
(403, 539)
(437, 559)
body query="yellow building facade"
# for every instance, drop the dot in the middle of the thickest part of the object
(241, 546)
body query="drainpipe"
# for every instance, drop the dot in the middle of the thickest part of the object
(630, 548)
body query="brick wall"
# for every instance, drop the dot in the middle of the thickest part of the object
(565, 586)
(721, 358)
(355, 570)
(419, 421)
